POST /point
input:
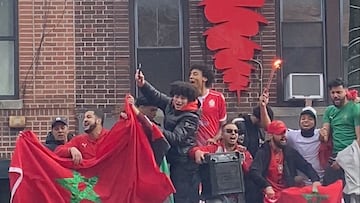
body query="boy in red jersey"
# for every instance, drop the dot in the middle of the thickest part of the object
(213, 106)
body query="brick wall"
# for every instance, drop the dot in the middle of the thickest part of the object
(102, 55)
(47, 87)
(84, 62)
(266, 38)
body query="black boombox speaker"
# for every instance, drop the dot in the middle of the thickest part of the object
(221, 174)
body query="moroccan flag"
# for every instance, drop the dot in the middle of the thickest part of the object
(123, 171)
(324, 194)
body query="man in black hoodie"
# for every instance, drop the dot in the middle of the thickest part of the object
(59, 133)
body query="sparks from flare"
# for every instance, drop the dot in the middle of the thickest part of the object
(276, 66)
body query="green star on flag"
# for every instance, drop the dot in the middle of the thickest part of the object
(315, 197)
(81, 188)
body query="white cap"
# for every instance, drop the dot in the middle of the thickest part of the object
(308, 110)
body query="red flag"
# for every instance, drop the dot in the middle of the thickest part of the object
(325, 194)
(124, 170)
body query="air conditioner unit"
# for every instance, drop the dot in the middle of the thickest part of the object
(304, 86)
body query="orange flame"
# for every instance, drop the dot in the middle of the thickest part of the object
(277, 64)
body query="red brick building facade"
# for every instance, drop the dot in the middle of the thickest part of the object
(88, 55)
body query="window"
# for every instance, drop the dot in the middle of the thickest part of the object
(8, 44)
(344, 26)
(159, 41)
(350, 41)
(302, 37)
(158, 23)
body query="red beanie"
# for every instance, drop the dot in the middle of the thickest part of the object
(276, 127)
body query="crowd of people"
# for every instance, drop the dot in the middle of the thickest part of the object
(195, 124)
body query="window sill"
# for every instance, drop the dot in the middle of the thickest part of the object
(11, 104)
(295, 111)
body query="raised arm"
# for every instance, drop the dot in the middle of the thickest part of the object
(263, 102)
(156, 97)
(325, 130)
(152, 94)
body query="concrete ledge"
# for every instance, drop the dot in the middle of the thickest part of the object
(291, 115)
(295, 111)
(11, 104)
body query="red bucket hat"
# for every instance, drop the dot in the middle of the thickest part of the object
(276, 127)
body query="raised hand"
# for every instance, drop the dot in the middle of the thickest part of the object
(130, 99)
(323, 134)
(139, 78)
(264, 98)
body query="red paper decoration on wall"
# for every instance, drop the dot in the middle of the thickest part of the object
(235, 21)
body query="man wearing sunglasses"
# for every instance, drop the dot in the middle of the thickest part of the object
(228, 143)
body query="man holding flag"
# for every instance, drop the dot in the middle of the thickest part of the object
(84, 146)
(110, 169)
(275, 165)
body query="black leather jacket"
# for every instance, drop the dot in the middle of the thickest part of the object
(180, 127)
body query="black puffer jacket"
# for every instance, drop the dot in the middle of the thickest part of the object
(180, 127)
(51, 143)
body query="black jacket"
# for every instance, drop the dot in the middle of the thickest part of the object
(51, 143)
(252, 134)
(292, 161)
(180, 127)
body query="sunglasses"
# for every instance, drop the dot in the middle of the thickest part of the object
(231, 130)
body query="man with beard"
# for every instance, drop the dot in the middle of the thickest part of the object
(252, 127)
(306, 141)
(275, 165)
(59, 133)
(84, 146)
(213, 106)
(342, 119)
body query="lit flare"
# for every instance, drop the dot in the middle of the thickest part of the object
(276, 66)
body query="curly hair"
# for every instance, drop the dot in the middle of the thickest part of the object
(206, 72)
(184, 89)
